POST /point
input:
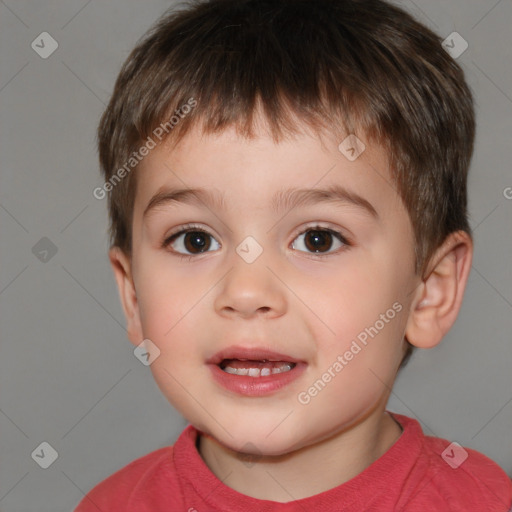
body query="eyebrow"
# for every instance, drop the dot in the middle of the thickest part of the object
(282, 200)
(198, 196)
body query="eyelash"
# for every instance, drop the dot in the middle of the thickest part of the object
(314, 227)
(183, 229)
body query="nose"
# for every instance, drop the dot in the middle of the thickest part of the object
(250, 290)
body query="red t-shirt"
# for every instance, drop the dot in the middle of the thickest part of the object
(411, 476)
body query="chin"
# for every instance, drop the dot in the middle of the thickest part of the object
(256, 441)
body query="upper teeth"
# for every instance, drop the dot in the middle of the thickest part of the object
(257, 372)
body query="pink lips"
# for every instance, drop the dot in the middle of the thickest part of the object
(254, 386)
(251, 354)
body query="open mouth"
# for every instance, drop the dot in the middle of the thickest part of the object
(254, 371)
(255, 368)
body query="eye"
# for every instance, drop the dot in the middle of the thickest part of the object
(191, 241)
(319, 240)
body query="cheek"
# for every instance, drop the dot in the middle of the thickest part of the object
(166, 297)
(363, 304)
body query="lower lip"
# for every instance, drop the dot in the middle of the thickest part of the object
(256, 386)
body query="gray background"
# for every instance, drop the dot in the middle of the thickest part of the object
(68, 374)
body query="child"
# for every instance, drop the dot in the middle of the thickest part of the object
(287, 193)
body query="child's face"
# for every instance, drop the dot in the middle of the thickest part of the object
(307, 305)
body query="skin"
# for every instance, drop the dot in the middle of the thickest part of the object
(290, 300)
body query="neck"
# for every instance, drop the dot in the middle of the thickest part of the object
(298, 474)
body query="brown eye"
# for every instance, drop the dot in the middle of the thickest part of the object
(192, 242)
(196, 241)
(318, 241)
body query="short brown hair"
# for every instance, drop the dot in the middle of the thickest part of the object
(364, 66)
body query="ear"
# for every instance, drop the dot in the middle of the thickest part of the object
(438, 298)
(121, 265)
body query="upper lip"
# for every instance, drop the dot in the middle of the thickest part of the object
(252, 354)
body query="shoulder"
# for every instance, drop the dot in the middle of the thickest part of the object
(461, 479)
(145, 475)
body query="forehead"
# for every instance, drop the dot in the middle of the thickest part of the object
(237, 171)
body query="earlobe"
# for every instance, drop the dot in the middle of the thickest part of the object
(438, 298)
(121, 266)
